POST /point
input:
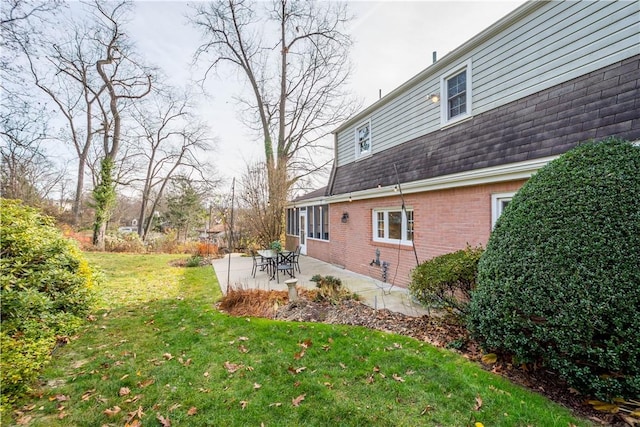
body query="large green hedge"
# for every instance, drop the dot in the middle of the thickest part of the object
(559, 282)
(45, 286)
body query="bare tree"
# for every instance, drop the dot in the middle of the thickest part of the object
(27, 173)
(125, 80)
(296, 74)
(257, 216)
(174, 142)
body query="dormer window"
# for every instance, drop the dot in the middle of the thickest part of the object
(455, 87)
(363, 139)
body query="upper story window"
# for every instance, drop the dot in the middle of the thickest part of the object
(363, 139)
(393, 226)
(499, 202)
(455, 98)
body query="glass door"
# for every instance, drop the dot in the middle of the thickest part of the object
(302, 232)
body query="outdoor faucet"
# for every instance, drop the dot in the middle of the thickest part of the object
(376, 261)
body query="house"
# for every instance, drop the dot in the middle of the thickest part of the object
(454, 143)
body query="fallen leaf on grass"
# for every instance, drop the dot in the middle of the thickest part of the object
(370, 379)
(206, 374)
(110, 412)
(306, 343)
(23, 421)
(296, 370)
(243, 404)
(398, 378)
(164, 422)
(134, 423)
(124, 391)
(192, 411)
(60, 398)
(243, 339)
(276, 404)
(137, 413)
(184, 362)
(297, 400)
(231, 367)
(478, 403)
(426, 409)
(256, 386)
(243, 349)
(146, 383)
(167, 356)
(174, 407)
(87, 394)
(343, 366)
(299, 355)
(62, 415)
(134, 399)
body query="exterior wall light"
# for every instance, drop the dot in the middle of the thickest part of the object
(435, 98)
(345, 217)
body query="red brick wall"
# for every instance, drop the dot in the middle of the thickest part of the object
(445, 221)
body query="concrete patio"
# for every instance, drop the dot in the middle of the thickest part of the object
(234, 270)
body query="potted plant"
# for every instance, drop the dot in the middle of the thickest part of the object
(276, 246)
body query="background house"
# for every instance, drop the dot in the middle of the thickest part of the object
(461, 137)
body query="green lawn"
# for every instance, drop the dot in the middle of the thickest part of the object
(159, 350)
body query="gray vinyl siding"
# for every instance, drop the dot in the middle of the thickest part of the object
(556, 42)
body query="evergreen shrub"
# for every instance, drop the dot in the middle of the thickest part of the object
(45, 286)
(559, 282)
(446, 281)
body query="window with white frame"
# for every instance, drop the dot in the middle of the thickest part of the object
(393, 225)
(456, 94)
(363, 139)
(318, 222)
(499, 202)
(293, 221)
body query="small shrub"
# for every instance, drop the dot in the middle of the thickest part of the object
(446, 281)
(45, 286)
(559, 282)
(330, 289)
(194, 261)
(124, 242)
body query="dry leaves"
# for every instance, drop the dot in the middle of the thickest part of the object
(110, 412)
(146, 383)
(164, 422)
(297, 400)
(192, 411)
(124, 391)
(478, 403)
(397, 378)
(232, 367)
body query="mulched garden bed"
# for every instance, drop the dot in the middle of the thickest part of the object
(433, 330)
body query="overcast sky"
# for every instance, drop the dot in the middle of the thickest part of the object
(394, 41)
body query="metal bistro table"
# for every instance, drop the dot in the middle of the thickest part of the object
(272, 258)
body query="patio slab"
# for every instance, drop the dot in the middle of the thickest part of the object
(234, 271)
